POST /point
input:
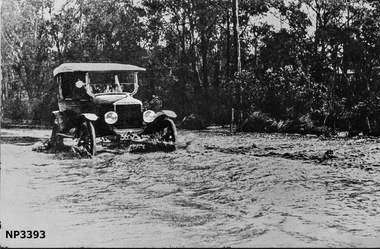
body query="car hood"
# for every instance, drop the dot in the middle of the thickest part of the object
(129, 100)
(116, 99)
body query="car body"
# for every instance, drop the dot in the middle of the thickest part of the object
(96, 100)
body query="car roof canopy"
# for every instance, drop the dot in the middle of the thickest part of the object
(95, 67)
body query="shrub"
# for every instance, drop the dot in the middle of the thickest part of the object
(17, 109)
(303, 125)
(193, 122)
(259, 122)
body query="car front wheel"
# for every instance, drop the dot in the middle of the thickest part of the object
(87, 138)
(169, 131)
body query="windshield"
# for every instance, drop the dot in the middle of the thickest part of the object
(96, 83)
(112, 83)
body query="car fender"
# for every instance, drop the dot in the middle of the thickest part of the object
(55, 113)
(61, 121)
(90, 116)
(168, 113)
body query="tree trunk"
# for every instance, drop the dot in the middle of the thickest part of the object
(193, 61)
(235, 8)
(204, 61)
(228, 45)
(237, 58)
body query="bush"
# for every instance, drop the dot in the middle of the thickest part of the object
(259, 122)
(193, 122)
(155, 104)
(36, 110)
(17, 109)
(364, 117)
(303, 125)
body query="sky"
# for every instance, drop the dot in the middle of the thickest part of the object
(58, 4)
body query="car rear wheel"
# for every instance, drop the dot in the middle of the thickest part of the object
(87, 138)
(55, 140)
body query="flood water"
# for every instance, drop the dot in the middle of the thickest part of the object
(215, 190)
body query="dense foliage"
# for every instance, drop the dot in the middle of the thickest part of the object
(205, 57)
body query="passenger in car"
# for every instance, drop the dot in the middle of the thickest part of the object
(80, 91)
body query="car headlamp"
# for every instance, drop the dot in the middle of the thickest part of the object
(148, 116)
(110, 117)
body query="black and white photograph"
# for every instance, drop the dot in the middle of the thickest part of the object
(190, 123)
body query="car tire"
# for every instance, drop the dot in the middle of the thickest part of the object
(55, 140)
(87, 138)
(169, 132)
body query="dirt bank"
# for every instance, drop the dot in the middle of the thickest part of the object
(215, 190)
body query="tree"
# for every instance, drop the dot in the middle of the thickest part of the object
(204, 57)
(98, 31)
(26, 61)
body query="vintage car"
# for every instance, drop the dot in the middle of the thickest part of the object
(96, 100)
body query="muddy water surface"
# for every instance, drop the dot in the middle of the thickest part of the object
(215, 190)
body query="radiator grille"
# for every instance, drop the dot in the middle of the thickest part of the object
(130, 116)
